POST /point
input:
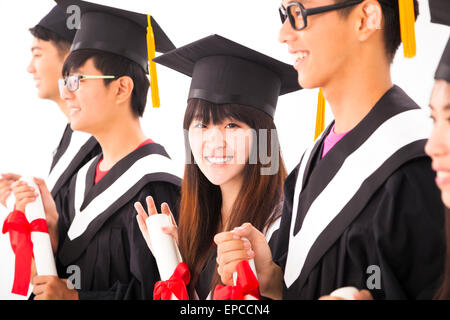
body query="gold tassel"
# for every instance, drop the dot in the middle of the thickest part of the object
(407, 32)
(152, 65)
(320, 117)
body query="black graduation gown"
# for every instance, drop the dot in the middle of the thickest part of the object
(394, 221)
(112, 255)
(68, 158)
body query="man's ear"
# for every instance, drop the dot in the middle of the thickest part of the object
(124, 89)
(370, 19)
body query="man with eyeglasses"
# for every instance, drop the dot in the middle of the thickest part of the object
(361, 209)
(105, 86)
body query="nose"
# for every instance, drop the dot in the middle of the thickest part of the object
(214, 138)
(286, 32)
(436, 145)
(31, 69)
(65, 94)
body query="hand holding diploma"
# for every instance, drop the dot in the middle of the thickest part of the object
(160, 233)
(27, 192)
(29, 236)
(244, 243)
(245, 284)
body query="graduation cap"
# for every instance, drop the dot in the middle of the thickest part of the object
(55, 21)
(224, 71)
(440, 11)
(443, 69)
(132, 35)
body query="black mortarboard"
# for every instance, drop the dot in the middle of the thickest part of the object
(443, 69)
(440, 11)
(122, 32)
(224, 71)
(55, 21)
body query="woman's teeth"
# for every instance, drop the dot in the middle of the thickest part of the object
(443, 174)
(218, 160)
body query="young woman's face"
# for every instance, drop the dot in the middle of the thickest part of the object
(91, 107)
(45, 66)
(438, 146)
(221, 150)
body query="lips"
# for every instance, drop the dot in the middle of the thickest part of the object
(299, 57)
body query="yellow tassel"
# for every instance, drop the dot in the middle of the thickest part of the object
(407, 32)
(320, 117)
(152, 65)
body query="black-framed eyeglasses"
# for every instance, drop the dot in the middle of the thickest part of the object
(297, 14)
(73, 82)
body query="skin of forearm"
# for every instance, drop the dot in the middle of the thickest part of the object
(272, 286)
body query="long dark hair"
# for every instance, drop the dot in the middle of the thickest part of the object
(444, 291)
(201, 201)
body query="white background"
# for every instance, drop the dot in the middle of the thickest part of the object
(30, 128)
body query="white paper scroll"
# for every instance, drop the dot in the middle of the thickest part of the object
(251, 263)
(42, 247)
(345, 293)
(165, 249)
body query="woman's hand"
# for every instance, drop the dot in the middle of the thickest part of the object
(142, 216)
(231, 249)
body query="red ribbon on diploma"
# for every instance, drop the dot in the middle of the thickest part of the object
(175, 285)
(246, 284)
(20, 229)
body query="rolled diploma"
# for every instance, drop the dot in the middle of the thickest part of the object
(251, 262)
(345, 293)
(42, 247)
(165, 250)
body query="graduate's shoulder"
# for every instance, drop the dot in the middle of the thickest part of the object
(159, 187)
(410, 193)
(416, 172)
(161, 191)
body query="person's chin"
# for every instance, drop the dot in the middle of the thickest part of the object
(216, 180)
(306, 81)
(42, 93)
(77, 125)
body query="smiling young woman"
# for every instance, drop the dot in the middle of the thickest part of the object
(230, 134)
